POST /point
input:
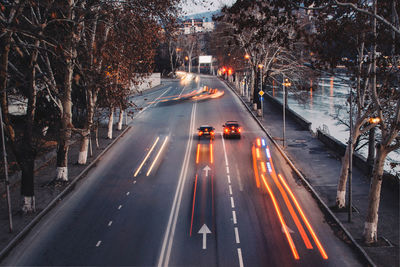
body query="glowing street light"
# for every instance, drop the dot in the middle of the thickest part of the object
(374, 120)
(247, 56)
(286, 83)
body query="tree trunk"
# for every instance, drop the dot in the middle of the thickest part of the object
(371, 222)
(110, 123)
(83, 151)
(66, 124)
(120, 119)
(27, 186)
(371, 149)
(341, 189)
(27, 158)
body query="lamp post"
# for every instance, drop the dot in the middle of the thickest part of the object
(260, 67)
(285, 83)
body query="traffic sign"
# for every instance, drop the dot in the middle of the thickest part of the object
(261, 93)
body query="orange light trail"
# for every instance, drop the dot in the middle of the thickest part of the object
(291, 210)
(211, 153)
(263, 168)
(314, 236)
(198, 154)
(258, 153)
(288, 237)
(194, 201)
(255, 167)
(258, 142)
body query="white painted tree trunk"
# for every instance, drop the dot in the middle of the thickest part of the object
(62, 173)
(83, 152)
(120, 119)
(259, 112)
(371, 222)
(110, 124)
(341, 189)
(29, 205)
(254, 106)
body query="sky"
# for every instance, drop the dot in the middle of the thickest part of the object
(199, 6)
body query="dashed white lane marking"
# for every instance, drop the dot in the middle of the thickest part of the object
(234, 217)
(237, 235)
(134, 182)
(239, 250)
(109, 224)
(232, 203)
(227, 170)
(127, 193)
(230, 190)
(98, 243)
(119, 207)
(229, 179)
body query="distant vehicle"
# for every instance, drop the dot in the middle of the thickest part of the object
(206, 131)
(231, 129)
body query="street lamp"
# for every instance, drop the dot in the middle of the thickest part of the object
(261, 66)
(286, 83)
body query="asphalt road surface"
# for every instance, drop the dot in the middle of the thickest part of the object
(163, 197)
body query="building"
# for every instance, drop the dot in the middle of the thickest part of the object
(191, 26)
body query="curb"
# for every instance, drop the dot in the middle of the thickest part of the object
(4, 252)
(309, 186)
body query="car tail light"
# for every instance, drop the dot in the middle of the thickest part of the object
(226, 130)
(212, 133)
(206, 130)
(200, 133)
(233, 127)
(239, 130)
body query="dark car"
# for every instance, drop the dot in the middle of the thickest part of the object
(206, 131)
(231, 129)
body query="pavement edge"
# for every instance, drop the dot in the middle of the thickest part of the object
(309, 186)
(7, 249)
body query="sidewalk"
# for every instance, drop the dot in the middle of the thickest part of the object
(321, 168)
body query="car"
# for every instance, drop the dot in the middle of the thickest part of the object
(231, 129)
(206, 131)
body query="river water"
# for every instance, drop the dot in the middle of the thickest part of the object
(325, 105)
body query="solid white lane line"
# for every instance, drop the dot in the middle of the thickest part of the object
(239, 250)
(119, 207)
(109, 224)
(147, 156)
(227, 170)
(98, 243)
(237, 235)
(127, 193)
(158, 155)
(234, 217)
(232, 203)
(170, 230)
(230, 190)
(229, 179)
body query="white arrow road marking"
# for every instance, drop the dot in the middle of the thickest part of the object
(207, 169)
(204, 231)
(287, 228)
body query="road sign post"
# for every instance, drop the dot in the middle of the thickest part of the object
(261, 93)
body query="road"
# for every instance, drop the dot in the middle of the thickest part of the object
(162, 197)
